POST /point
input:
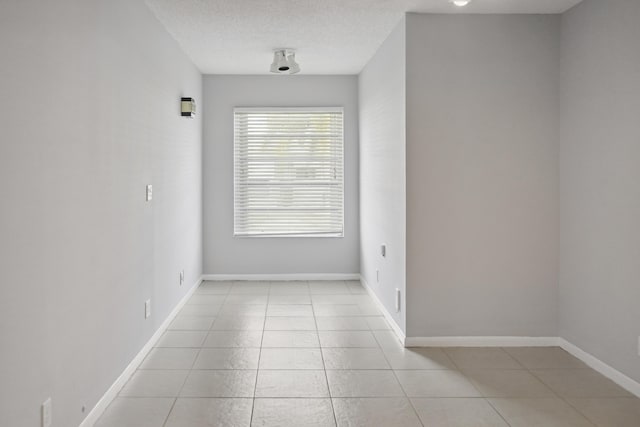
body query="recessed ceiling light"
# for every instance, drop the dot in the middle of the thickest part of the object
(460, 3)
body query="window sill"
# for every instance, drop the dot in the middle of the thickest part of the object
(290, 236)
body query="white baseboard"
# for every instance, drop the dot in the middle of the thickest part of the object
(496, 341)
(115, 388)
(283, 277)
(593, 362)
(394, 326)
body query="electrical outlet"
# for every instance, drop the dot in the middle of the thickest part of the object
(181, 277)
(149, 192)
(47, 414)
(638, 346)
(383, 250)
(377, 276)
(147, 309)
(398, 300)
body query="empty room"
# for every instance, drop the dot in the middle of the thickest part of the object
(297, 213)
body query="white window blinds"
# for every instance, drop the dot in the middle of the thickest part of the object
(288, 170)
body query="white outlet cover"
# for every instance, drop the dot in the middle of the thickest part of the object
(398, 305)
(149, 192)
(47, 414)
(147, 309)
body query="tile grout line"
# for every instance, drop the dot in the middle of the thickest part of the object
(195, 359)
(324, 366)
(496, 411)
(556, 394)
(530, 372)
(593, 423)
(255, 385)
(486, 399)
(175, 399)
(406, 396)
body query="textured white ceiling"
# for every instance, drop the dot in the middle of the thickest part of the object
(331, 36)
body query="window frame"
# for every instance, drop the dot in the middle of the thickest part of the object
(320, 109)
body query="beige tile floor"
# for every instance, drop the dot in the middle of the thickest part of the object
(320, 354)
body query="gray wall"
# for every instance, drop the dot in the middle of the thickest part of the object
(382, 171)
(600, 181)
(224, 254)
(482, 207)
(90, 115)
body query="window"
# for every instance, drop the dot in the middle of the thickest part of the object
(288, 172)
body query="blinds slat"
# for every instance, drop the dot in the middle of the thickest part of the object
(288, 171)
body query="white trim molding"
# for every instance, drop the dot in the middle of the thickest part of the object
(112, 392)
(491, 341)
(610, 372)
(394, 326)
(283, 277)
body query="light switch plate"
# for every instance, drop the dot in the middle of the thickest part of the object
(149, 192)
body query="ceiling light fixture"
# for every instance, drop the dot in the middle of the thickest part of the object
(460, 3)
(284, 61)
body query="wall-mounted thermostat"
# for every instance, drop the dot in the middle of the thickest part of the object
(188, 107)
